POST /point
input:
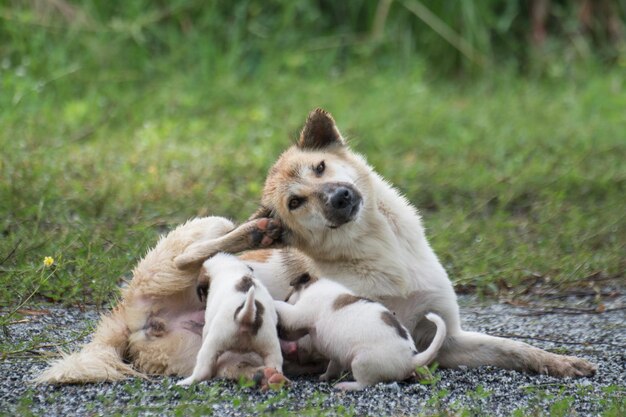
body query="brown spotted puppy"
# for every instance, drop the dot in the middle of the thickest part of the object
(354, 333)
(240, 316)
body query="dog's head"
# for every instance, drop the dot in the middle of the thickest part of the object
(318, 185)
(227, 266)
(298, 285)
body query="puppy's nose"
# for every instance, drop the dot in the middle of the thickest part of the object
(342, 198)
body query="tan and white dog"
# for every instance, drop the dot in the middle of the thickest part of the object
(240, 317)
(361, 232)
(354, 333)
(331, 213)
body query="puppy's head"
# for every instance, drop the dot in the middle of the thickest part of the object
(318, 185)
(221, 265)
(298, 285)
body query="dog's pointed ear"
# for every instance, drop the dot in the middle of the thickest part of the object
(319, 131)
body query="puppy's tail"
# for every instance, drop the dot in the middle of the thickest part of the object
(99, 360)
(245, 314)
(427, 356)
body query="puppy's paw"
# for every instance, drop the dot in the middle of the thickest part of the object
(270, 378)
(265, 232)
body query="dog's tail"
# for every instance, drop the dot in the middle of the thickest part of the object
(427, 356)
(99, 360)
(246, 314)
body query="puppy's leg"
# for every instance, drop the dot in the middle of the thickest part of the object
(205, 363)
(366, 371)
(291, 318)
(332, 371)
(274, 359)
(253, 234)
(477, 349)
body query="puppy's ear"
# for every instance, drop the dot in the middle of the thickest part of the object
(202, 286)
(319, 132)
(300, 280)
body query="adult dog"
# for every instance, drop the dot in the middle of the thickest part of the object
(346, 223)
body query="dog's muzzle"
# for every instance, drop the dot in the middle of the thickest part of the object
(342, 203)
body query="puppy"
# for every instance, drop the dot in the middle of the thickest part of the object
(240, 316)
(354, 333)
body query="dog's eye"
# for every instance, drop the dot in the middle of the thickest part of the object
(319, 169)
(295, 202)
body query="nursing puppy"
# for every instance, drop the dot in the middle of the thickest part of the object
(354, 333)
(240, 316)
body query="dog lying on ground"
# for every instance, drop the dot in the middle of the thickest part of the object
(354, 333)
(240, 316)
(323, 209)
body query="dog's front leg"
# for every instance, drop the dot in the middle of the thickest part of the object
(254, 234)
(292, 323)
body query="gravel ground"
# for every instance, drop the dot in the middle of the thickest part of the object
(600, 338)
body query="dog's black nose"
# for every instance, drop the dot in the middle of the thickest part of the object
(342, 198)
(342, 203)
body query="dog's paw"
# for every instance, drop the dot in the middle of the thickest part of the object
(568, 366)
(270, 378)
(265, 232)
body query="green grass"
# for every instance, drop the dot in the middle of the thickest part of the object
(117, 128)
(516, 178)
(134, 398)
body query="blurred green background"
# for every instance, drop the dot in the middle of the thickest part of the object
(504, 121)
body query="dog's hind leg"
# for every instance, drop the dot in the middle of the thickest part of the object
(476, 349)
(254, 234)
(156, 275)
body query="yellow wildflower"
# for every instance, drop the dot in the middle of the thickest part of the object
(48, 260)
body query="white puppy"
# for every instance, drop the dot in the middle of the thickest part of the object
(354, 333)
(240, 316)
